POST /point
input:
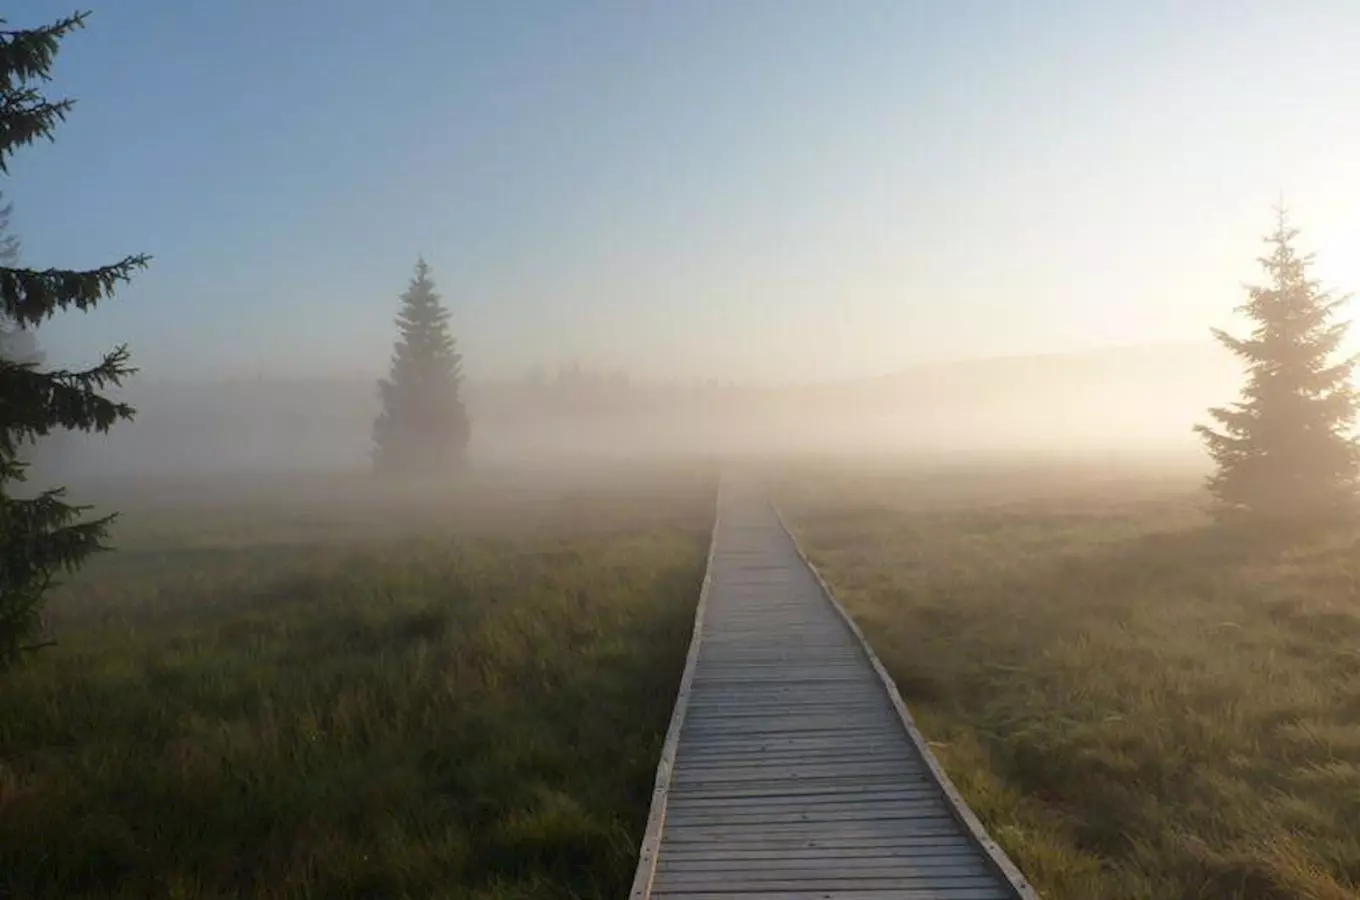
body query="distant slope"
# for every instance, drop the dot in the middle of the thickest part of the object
(1127, 396)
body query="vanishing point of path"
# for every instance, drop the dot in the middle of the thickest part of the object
(791, 770)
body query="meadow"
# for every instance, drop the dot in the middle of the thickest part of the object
(304, 689)
(1138, 704)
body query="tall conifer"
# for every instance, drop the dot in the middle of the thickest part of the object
(1286, 450)
(423, 427)
(41, 535)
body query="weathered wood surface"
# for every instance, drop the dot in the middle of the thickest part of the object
(792, 770)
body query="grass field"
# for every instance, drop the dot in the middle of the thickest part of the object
(280, 692)
(1136, 704)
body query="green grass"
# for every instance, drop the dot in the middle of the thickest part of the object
(459, 694)
(1136, 704)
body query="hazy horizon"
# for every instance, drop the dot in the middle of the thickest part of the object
(1112, 403)
(765, 191)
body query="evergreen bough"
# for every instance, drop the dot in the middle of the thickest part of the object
(42, 535)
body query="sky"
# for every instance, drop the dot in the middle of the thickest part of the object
(744, 189)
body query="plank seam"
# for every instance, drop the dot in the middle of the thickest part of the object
(656, 816)
(954, 801)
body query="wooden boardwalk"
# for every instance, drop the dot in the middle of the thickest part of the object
(791, 770)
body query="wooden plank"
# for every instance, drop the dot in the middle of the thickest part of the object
(857, 811)
(861, 867)
(753, 792)
(938, 825)
(915, 893)
(737, 710)
(730, 759)
(797, 793)
(881, 863)
(708, 746)
(780, 723)
(758, 889)
(924, 814)
(803, 774)
(842, 757)
(816, 712)
(758, 683)
(711, 855)
(813, 804)
(791, 725)
(829, 878)
(821, 698)
(752, 842)
(775, 747)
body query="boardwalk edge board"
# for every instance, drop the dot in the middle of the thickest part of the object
(954, 801)
(656, 818)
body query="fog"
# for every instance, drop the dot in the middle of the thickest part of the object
(1116, 404)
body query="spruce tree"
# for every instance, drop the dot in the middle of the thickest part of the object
(423, 427)
(1285, 452)
(41, 535)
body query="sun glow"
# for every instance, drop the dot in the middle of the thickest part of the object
(1337, 267)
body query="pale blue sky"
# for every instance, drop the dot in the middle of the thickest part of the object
(738, 188)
